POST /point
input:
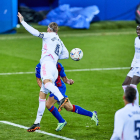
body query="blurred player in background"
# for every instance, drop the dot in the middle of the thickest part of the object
(133, 77)
(127, 119)
(52, 49)
(52, 99)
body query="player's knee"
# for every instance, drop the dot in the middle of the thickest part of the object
(47, 81)
(123, 84)
(127, 81)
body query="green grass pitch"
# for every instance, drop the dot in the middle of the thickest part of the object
(92, 90)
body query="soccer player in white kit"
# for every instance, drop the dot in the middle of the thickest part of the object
(133, 77)
(127, 119)
(52, 50)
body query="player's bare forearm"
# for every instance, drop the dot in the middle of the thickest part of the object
(67, 81)
(64, 79)
(39, 82)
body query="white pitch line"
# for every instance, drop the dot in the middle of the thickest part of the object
(38, 131)
(69, 35)
(74, 70)
(15, 73)
(98, 69)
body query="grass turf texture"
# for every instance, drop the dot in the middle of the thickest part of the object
(92, 90)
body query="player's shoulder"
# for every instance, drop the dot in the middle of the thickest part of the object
(44, 35)
(137, 108)
(53, 34)
(120, 112)
(136, 38)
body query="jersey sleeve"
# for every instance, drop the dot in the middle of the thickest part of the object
(118, 127)
(64, 54)
(37, 70)
(30, 29)
(34, 31)
(62, 72)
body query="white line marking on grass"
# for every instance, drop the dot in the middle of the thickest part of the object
(69, 35)
(16, 73)
(97, 34)
(94, 69)
(38, 131)
(98, 69)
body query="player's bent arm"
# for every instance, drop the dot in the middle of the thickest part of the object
(64, 79)
(64, 54)
(67, 81)
(39, 82)
(30, 29)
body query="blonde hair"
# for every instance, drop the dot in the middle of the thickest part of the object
(53, 26)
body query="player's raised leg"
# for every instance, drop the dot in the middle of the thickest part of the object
(55, 91)
(49, 74)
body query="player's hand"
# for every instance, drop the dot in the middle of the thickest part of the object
(70, 82)
(20, 17)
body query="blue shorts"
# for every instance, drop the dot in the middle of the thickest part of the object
(62, 89)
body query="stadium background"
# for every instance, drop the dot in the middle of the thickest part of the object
(108, 48)
(109, 10)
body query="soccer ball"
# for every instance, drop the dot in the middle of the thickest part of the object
(76, 54)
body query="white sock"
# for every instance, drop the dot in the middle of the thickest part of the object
(136, 102)
(40, 111)
(124, 87)
(54, 90)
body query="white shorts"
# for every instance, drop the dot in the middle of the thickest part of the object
(49, 71)
(134, 71)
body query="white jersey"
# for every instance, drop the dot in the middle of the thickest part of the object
(127, 123)
(52, 46)
(136, 59)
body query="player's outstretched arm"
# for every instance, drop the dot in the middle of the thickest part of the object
(28, 27)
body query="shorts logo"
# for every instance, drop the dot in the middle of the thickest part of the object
(43, 70)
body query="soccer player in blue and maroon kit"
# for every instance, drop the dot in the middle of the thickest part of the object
(52, 99)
